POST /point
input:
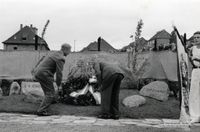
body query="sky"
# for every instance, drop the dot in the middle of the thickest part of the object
(80, 22)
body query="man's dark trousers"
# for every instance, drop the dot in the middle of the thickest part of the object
(48, 89)
(110, 95)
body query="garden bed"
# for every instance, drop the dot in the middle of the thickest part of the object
(152, 108)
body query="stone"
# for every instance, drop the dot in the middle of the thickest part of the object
(1, 92)
(171, 121)
(33, 91)
(32, 88)
(158, 90)
(134, 101)
(107, 122)
(14, 88)
(85, 121)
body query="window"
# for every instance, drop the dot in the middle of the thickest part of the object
(23, 38)
(15, 48)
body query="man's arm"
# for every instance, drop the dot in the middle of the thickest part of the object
(59, 68)
(33, 70)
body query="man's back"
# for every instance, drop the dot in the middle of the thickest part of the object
(50, 62)
(108, 69)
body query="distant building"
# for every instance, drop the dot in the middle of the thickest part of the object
(26, 39)
(142, 45)
(160, 40)
(100, 45)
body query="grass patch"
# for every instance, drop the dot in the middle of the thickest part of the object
(152, 108)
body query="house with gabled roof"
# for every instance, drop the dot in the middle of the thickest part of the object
(160, 39)
(26, 39)
(142, 45)
(99, 45)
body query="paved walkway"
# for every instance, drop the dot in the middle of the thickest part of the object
(80, 120)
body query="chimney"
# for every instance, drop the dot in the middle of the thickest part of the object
(99, 44)
(21, 26)
(36, 42)
(35, 30)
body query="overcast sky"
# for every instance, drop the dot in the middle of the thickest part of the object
(83, 21)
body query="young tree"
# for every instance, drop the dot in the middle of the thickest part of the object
(136, 50)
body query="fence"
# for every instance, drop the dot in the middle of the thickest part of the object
(18, 64)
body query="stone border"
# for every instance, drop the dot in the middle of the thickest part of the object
(82, 120)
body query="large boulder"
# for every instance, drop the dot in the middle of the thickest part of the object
(33, 88)
(33, 92)
(14, 88)
(134, 101)
(158, 90)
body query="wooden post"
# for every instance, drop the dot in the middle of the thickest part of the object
(36, 42)
(99, 44)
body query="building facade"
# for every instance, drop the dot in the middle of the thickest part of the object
(26, 39)
(160, 40)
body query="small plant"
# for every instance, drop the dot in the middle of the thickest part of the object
(136, 50)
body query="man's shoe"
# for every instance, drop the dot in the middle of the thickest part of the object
(55, 101)
(104, 116)
(115, 117)
(43, 113)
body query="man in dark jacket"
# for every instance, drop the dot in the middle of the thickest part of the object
(109, 76)
(44, 74)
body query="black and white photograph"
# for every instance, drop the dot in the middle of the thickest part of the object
(99, 66)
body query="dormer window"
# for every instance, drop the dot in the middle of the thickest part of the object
(15, 48)
(24, 36)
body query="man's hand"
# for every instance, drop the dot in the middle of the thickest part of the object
(55, 86)
(60, 91)
(59, 88)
